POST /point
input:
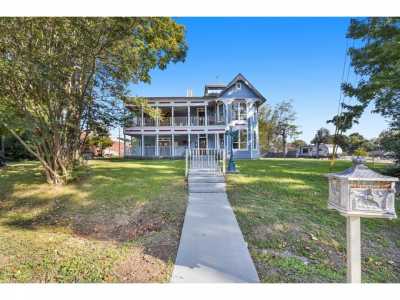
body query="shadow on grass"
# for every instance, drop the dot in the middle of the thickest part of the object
(281, 206)
(117, 200)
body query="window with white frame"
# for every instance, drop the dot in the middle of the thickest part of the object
(220, 112)
(239, 110)
(238, 85)
(240, 140)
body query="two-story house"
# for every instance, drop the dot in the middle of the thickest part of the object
(199, 122)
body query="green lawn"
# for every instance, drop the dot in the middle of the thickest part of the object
(119, 222)
(281, 207)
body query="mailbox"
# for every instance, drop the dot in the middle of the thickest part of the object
(359, 191)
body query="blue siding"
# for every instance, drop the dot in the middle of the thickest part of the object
(243, 92)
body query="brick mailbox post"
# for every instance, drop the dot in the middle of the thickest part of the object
(360, 192)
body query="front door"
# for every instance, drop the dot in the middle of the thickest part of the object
(200, 116)
(202, 141)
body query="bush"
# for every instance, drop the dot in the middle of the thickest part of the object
(360, 152)
(14, 149)
(393, 170)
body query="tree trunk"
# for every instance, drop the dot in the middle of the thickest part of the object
(284, 145)
(3, 147)
(52, 172)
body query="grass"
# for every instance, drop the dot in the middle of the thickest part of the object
(281, 206)
(120, 221)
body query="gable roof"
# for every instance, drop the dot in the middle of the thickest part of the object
(240, 77)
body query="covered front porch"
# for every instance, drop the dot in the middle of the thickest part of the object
(172, 145)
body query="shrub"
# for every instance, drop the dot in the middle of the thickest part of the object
(360, 152)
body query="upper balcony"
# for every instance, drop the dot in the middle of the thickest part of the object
(210, 113)
(176, 121)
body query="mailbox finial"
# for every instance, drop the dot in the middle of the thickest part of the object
(358, 160)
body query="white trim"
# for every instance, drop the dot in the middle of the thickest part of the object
(205, 115)
(172, 116)
(157, 146)
(142, 150)
(142, 121)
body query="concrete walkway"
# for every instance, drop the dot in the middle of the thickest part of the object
(212, 248)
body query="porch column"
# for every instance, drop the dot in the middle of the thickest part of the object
(173, 116)
(173, 145)
(142, 113)
(142, 144)
(226, 113)
(207, 140)
(189, 141)
(216, 141)
(157, 149)
(188, 116)
(205, 115)
(157, 117)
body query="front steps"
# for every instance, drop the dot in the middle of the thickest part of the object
(212, 248)
(206, 181)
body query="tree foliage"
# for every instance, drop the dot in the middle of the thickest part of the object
(267, 125)
(321, 137)
(101, 141)
(286, 127)
(60, 77)
(389, 140)
(277, 125)
(299, 143)
(376, 60)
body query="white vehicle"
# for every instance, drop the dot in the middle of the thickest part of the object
(325, 150)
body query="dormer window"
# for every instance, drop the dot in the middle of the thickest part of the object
(238, 85)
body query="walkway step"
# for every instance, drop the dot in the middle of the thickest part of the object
(210, 187)
(205, 179)
(209, 173)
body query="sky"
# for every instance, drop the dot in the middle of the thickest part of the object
(284, 58)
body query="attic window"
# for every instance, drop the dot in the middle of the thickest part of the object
(238, 85)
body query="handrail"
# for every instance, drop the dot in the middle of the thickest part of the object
(205, 158)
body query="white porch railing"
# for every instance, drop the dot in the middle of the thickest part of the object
(210, 159)
(149, 151)
(175, 121)
(197, 121)
(180, 121)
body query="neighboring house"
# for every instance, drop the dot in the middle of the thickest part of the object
(199, 122)
(325, 150)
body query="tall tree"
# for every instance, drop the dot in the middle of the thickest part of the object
(377, 62)
(267, 127)
(356, 141)
(299, 143)
(100, 141)
(285, 117)
(321, 137)
(62, 76)
(389, 141)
